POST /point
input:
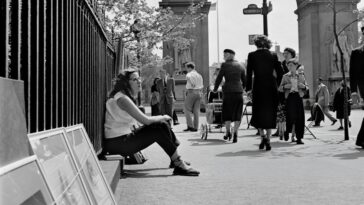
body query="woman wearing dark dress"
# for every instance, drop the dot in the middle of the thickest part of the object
(339, 104)
(154, 103)
(265, 67)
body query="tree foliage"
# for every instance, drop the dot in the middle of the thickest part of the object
(155, 25)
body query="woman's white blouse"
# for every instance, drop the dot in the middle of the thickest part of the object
(117, 121)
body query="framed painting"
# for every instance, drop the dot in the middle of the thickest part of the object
(59, 167)
(22, 183)
(88, 165)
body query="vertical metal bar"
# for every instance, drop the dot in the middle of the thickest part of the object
(82, 105)
(13, 40)
(78, 63)
(88, 81)
(6, 48)
(41, 65)
(34, 73)
(69, 62)
(61, 68)
(56, 64)
(64, 62)
(18, 65)
(49, 64)
(74, 57)
(28, 57)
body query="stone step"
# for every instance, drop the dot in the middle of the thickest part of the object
(112, 170)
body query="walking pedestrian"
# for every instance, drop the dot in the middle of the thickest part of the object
(265, 66)
(288, 54)
(294, 85)
(323, 99)
(194, 88)
(167, 96)
(154, 102)
(122, 136)
(232, 104)
(357, 82)
(339, 104)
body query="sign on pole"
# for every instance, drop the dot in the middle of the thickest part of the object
(252, 9)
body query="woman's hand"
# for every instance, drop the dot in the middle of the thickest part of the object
(287, 86)
(301, 85)
(166, 118)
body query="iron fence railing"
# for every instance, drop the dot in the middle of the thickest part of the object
(60, 50)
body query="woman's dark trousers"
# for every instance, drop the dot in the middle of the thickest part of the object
(141, 138)
(295, 114)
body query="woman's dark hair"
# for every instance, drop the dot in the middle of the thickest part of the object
(122, 84)
(190, 65)
(262, 41)
(291, 51)
(155, 81)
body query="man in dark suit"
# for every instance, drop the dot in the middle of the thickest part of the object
(357, 81)
(167, 96)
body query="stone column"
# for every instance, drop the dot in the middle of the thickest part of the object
(199, 51)
(316, 39)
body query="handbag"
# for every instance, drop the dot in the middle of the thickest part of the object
(136, 158)
(155, 98)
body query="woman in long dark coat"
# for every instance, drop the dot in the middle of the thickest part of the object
(154, 102)
(265, 67)
(339, 104)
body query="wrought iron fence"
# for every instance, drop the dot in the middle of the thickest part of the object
(60, 50)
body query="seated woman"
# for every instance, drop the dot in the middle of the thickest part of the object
(294, 84)
(122, 116)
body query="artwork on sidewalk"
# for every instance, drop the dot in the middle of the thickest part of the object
(25, 183)
(59, 167)
(88, 165)
(13, 126)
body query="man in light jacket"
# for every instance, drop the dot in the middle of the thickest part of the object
(323, 99)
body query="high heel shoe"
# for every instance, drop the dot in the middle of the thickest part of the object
(267, 145)
(235, 139)
(227, 136)
(263, 142)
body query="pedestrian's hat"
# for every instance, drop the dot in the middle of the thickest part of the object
(229, 51)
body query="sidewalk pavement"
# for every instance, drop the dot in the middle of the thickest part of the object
(326, 170)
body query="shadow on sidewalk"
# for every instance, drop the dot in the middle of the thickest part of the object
(356, 154)
(201, 142)
(249, 153)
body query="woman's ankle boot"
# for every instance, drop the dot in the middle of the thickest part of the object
(235, 139)
(267, 145)
(227, 136)
(263, 142)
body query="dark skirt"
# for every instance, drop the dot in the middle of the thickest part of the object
(232, 106)
(265, 103)
(155, 109)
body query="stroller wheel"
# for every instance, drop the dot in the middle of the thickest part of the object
(203, 131)
(206, 133)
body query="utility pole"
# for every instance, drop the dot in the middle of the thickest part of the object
(265, 17)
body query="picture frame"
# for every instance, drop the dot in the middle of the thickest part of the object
(22, 182)
(87, 162)
(59, 167)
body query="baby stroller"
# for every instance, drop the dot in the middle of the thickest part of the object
(213, 113)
